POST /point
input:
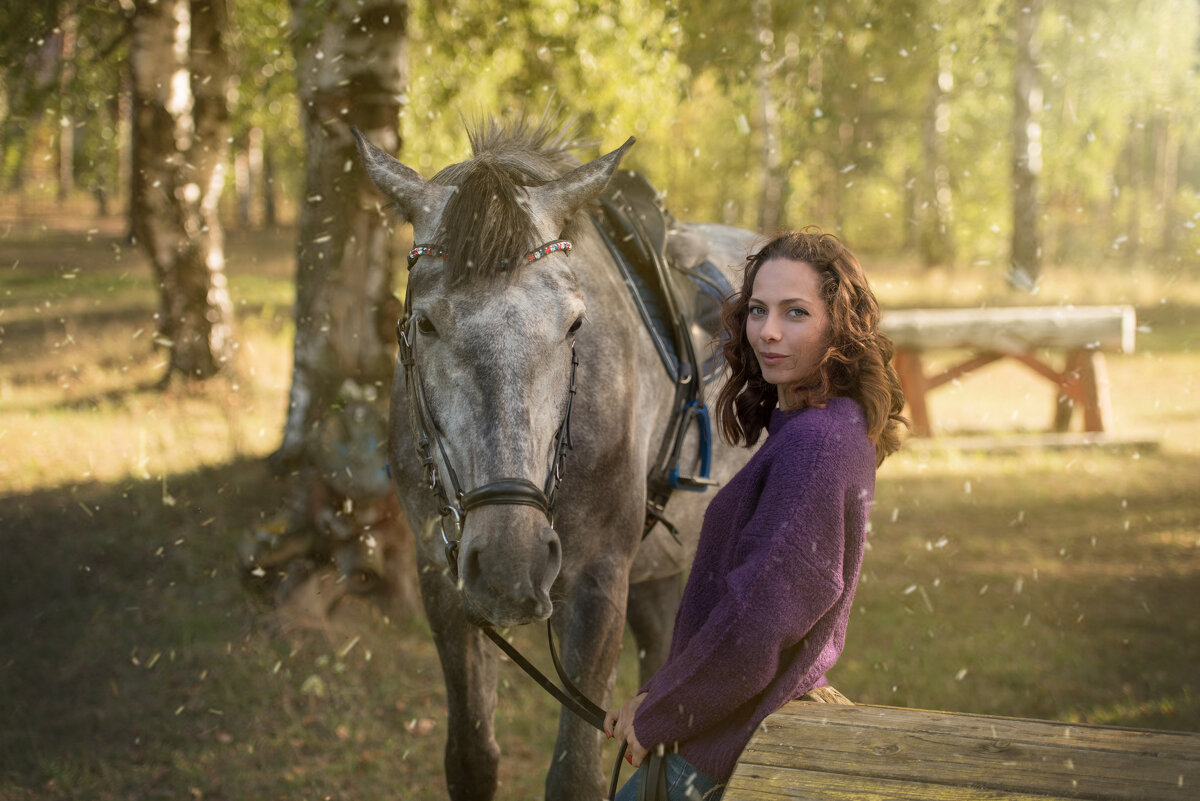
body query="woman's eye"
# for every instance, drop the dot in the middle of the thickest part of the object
(798, 312)
(757, 311)
(425, 325)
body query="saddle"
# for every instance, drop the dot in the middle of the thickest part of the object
(679, 299)
(672, 288)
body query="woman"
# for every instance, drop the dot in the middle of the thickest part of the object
(764, 612)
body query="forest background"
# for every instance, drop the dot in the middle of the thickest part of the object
(890, 122)
(974, 153)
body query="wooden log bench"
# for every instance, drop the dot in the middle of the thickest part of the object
(811, 750)
(1083, 333)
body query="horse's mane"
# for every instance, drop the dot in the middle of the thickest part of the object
(484, 227)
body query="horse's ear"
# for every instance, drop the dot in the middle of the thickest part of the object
(562, 197)
(421, 201)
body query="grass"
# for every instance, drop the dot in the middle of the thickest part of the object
(136, 664)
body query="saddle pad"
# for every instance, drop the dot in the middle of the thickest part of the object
(698, 291)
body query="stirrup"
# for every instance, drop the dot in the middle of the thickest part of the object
(698, 412)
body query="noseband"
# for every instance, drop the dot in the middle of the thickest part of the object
(453, 503)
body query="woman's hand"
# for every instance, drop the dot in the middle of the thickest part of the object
(619, 724)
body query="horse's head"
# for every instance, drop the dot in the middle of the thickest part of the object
(492, 336)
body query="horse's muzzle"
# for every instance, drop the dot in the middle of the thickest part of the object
(508, 561)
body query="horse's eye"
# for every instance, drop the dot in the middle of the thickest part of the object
(425, 326)
(575, 326)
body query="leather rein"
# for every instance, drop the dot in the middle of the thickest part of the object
(454, 503)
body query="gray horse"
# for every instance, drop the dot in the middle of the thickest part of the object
(496, 320)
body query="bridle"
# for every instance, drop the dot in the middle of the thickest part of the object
(453, 506)
(453, 502)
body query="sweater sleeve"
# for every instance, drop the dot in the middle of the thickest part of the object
(787, 575)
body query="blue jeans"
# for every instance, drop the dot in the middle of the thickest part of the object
(685, 782)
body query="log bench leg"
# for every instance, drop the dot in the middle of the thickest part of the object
(1085, 379)
(912, 382)
(1097, 397)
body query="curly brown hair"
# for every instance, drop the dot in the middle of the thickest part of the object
(857, 361)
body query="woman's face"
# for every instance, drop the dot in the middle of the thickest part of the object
(787, 325)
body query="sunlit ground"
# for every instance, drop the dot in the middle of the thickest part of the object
(1059, 584)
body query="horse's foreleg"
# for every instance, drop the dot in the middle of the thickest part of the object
(469, 668)
(651, 616)
(589, 625)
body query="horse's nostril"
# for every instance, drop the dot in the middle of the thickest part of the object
(506, 577)
(470, 569)
(553, 560)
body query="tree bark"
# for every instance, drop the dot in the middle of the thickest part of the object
(248, 180)
(935, 236)
(270, 210)
(352, 70)
(774, 176)
(125, 162)
(1134, 187)
(1026, 255)
(180, 124)
(1169, 146)
(65, 122)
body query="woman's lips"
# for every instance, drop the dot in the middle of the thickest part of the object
(771, 358)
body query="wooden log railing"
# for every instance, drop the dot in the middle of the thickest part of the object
(990, 334)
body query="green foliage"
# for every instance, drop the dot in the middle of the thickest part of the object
(1117, 89)
(852, 82)
(37, 97)
(584, 63)
(264, 94)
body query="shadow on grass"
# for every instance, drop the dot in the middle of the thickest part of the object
(136, 664)
(90, 573)
(1058, 592)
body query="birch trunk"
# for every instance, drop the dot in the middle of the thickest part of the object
(179, 149)
(351, 60)
(1026, 255)
(774, 176)
(1169, 146)
(66, 122)
(1134, 188)
(935, 236)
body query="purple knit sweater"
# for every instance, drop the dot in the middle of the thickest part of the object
(764, 613)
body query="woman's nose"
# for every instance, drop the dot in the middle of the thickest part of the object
(770, 329)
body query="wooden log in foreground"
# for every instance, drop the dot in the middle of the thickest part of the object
(825, 751)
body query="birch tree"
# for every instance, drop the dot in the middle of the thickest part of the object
(1026, 254)
(774, 172)
(350, 57)
(351, 61)
(935, 237)
(180, 124)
